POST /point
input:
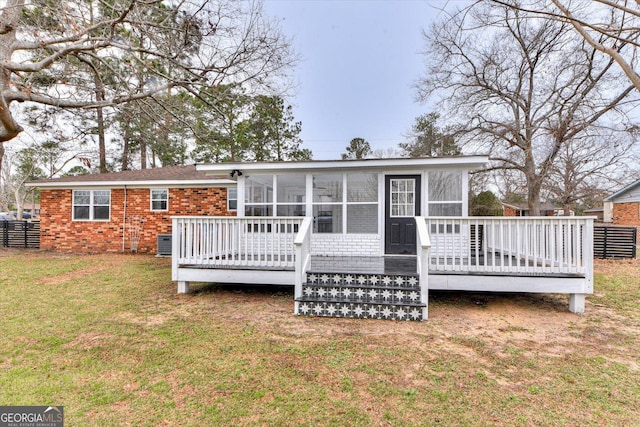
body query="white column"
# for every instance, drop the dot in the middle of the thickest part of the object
(576, 303)
(183, 287)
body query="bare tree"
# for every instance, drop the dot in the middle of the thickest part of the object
(609, 26)
(590, 167)
(94, 54)
(524, 87)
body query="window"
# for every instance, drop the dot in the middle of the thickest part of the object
(362, 203)
(403, 203)
(259, 195)
(356, 208)
(327, 203)
(91, 205)
(232, 199)
(290, 197)
(445, 193)
(159, 199)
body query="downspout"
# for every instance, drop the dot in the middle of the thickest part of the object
(124, 218)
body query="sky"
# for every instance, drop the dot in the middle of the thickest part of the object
(359, 60)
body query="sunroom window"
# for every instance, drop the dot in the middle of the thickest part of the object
(445, 193)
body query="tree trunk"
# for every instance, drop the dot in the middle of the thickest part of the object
(125, 148)
(102, 148)
(143, 155)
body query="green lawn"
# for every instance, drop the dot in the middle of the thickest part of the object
(107, 337)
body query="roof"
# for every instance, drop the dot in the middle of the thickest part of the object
(467, 162)
(156, 176)
(221, 173)
(623, 191)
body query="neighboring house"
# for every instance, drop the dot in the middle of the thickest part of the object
(522, 209)
(597, 212)
(361, 238)
(624, 205)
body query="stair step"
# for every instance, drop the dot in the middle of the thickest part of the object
(375, 295)
(348, 279)
(385, 311)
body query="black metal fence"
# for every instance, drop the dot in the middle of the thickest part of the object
(614, 241)
(20, 234)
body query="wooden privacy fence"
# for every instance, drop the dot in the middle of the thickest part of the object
(20, 234)
(614, 241)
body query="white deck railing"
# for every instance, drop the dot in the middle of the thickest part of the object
(235, 242)
(519, 245)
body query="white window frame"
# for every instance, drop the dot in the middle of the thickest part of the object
(229, 199)
(461, 201)
(151, 199)
(91, 206)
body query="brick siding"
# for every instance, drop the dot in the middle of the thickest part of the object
(59, 232)
(626, 214)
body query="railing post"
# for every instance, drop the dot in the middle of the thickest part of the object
(423, 260)
(302, 245)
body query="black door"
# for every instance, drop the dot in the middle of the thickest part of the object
(402, 203)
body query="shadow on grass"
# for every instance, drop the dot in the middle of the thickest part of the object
(460, 299)
(554, 302)
(248, 289)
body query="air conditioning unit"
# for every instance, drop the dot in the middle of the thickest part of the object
(164, 244)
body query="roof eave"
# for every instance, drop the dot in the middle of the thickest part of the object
(470, 162)
(136, 183)
(622, 191)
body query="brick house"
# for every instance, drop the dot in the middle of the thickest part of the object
(359, 238)
(96, 213)
(625, 205)
(522, 209)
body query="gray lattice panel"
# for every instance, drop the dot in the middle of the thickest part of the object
(360, 311)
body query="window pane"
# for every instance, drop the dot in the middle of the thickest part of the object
(362, 219)
(81, 212)
(81, 197)
(159, 205)
(291, 188)
(100, 212)
(445, 209)
(259, 189)
(291, 210)
(159, 195)
(259, 210)
(101, 197)
(327, 219)
(232, 199)
(445, 186)
(362, 187)
(327, 188)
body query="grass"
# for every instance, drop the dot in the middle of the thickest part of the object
(107, 337)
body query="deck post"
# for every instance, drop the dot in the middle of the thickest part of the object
(183, 287)
(576, 303)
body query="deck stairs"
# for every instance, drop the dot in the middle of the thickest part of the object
(361, 295)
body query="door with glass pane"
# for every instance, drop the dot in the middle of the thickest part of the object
(402, 204)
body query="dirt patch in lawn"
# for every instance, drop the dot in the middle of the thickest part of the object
(461, 322)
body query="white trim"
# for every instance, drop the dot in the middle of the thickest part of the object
(229, 199)
(91, 206)
(399, 164)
